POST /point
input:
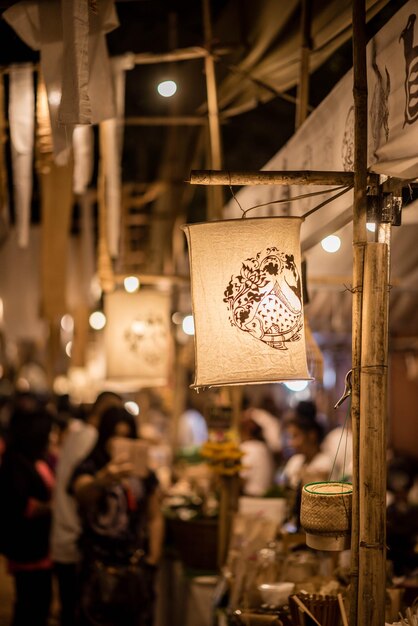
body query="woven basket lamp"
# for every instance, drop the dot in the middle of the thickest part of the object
(326, 515)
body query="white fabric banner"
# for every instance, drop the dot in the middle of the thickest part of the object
(112, 133)
(137, 337)
(326, 139)
(83, 153)
(39, 24)
(22, 126)
(247, 301)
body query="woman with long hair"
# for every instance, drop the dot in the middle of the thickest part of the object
(122, 530)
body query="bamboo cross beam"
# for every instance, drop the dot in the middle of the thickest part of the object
(303, 177)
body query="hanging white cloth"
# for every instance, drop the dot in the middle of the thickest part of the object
(112, 134)
(75, 106)
(22, 125)
(39, 24)
(83, 153)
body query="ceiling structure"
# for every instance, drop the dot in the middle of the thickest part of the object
(256, 46)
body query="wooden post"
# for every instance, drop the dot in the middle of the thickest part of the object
(228, 505)
(302, 100)
(216, 197)
(359, 242)
(373, 411)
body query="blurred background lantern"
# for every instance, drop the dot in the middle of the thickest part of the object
(137, 337)
(247, 301)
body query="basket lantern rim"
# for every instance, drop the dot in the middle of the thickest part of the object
(323, 488)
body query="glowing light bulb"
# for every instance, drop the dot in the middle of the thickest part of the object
(67, 323)
(188, 325)
(296, 385)
(371, 226)
(97, 320)
(131, 284)
(332, 243)
(167, 88)
(132, 407)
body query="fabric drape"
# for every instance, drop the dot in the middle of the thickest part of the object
(22, 124)
(39, 24)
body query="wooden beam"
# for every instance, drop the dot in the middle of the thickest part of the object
(302, 177)
(182, 54)
(216, 195)
(302, 99)
(173, 120)
(152, 279)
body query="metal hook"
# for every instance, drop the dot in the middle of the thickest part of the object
(347, 389)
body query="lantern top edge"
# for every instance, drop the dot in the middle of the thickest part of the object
(244, 220)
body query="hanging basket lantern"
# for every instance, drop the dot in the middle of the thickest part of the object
(247, 301)
(137, 338)
(325, 515)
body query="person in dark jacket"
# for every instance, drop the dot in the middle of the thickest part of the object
(26, 484)
(122, 530)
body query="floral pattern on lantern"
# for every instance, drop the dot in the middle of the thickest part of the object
(137, 336)
(247, 301)
(265, 298)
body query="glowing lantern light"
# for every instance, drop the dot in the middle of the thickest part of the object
(137, 337)
(331, 244)
(297, 385)
(247, 301)
(167, 88)
(97, 320)
(188, 325)
(131, 284)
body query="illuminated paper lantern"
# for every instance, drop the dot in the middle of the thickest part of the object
(247, 301)
(137, 337)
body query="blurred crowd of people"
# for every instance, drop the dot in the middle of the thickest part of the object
(81, 510)
(74, 509)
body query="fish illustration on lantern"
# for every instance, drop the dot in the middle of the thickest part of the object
(265, 298)
(411, 68)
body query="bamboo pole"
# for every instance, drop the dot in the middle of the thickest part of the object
(359, 242)
(181, 54)
(216, 195)
(155, 120)
(301, 177)
(373, 411)
(302, 98)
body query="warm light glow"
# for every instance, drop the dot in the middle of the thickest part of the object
(138, 327)
(54, 97)
(61, 385)
(22, 384)
(68, 348)
(132, 407)
(95, 288)
(296, 385)
(177, 318)
(97, 320)
(67, 323)
(167, 88)
(188, 325)
(131, 284)
(371, 226)
(332, 243)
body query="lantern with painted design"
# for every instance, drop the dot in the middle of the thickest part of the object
(247, 301)
(137, 337)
